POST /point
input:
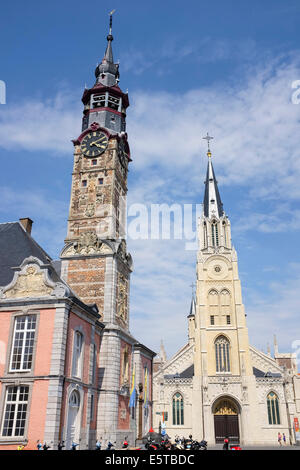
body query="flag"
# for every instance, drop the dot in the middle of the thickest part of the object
(146, 388)
(132, 390)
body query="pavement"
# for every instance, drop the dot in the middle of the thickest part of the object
(275, 447)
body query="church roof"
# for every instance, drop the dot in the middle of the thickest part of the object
(260, 373)
(186, 374)
(193, 307)
(212, 204)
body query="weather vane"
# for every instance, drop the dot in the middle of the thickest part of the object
(208, 138)
(110, 20)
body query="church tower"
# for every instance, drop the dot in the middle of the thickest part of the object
(222, 354)
(218, 386)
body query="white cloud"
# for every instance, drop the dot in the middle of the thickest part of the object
(255, 128)
(41, 125)
(48, 213)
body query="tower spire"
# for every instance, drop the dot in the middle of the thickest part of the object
(107, 73)
(212, 203)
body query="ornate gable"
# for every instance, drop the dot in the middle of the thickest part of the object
(32, 280)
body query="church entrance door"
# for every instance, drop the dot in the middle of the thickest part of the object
(226, 421)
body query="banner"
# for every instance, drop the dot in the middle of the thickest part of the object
(132, 390)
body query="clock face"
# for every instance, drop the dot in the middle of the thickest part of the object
(94, 143)
(122, 154)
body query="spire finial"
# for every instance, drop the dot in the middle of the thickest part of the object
(208, 138)
(193, 288)
(110, 24)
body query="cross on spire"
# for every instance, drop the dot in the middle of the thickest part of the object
(193, 287)
(208, 138)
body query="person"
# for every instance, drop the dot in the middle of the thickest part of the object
(226, 442)
(98, 445)
(39, 445)
(60, 445)
(45, 447)
(284, 439)
(279, 438)
(109, 445)
(125, 444)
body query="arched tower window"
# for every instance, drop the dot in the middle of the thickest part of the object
(225, 234)
(178, 413)
(205, 235)
(222, 354)
(77, 354)
(273, 408)
(214, 233)
(225, 306)
(213, 302)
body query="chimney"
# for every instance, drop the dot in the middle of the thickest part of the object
(27, 224)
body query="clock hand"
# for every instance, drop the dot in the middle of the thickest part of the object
(101, 138)
(96, 145)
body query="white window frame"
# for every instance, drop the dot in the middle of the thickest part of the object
(17, 409)
(25, 331)
(77, 355)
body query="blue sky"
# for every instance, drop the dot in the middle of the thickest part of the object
(225, 67)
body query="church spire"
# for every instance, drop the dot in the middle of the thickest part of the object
(107, 73)
(212, 203)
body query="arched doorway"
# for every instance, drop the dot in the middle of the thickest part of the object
(226, 420)
(73, 419)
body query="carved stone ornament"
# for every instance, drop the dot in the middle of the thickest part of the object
(32, 280)
(122, 252)
(87, 244)
(90, 210)
(122, 298)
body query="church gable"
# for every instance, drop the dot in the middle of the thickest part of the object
(262, 362)
(180, 362)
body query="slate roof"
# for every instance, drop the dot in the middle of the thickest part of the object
(16, 245)
(186, 374)
(260, 373)
(212, 191)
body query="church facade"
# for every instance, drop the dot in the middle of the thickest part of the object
(218, 385)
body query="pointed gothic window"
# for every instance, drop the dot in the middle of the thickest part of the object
(214, 233)
(178, 413)
(225, 302)
(273, 408)
(222, 354)
(213, 302)
(205, 235)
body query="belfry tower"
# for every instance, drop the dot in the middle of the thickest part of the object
(95, 261)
